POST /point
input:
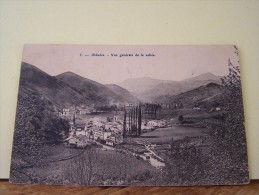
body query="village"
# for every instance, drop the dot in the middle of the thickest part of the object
(112, 132)
(138, 131)
(109, 132)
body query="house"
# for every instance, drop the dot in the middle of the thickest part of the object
(218, 108)
(114, 140)
(115, 127)
(65, 111)
(156, 123)
(79, 133)
(177, 105)
(120, 127)
(73, 141)
(161, 123)
(110, 143)
(215, 109)
(115, 118)
(98, 124)
(90, 136)
(165, 106)
(145, 127)
(84, 111)
(110, 125)
(100, 134)
(129, 105)
(80, 126)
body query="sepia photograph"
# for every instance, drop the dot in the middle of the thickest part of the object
(120, 115)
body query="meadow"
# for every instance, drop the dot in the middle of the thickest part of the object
(94, 166)
(165, 135)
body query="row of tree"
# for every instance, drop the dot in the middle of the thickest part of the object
(132, 121)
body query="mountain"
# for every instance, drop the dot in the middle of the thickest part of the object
(203, 96)
(122, 92)
(140, 85)
(91, 91)
(68, 89)
(147, 89)
(35, 81)
(204, 77)
(174, 87)
(201, 80)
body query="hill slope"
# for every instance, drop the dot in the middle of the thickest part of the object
(204, 96)
(147, 89)
(123, 92)
(140, 85)
(58, 93)
(69, 89)
(91, 91)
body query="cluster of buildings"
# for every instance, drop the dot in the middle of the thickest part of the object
(110, 133)
(76, 110)
(172, 105)
(156, 123)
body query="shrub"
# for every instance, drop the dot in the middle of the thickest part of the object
(181, 118)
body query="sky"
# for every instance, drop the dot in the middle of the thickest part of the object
(100, 63)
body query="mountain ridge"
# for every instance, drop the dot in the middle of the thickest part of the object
(204, 96)
(156, 88)
(90, 90)
(67, 89)
(123, 92)
(35, 80)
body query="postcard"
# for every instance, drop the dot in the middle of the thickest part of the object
(120, 115)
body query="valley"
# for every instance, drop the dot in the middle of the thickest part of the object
(136, 123)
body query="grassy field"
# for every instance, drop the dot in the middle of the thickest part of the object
(107, 167)
(165, 135)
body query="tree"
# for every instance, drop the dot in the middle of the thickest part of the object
(228, 159)
(139, 120)
(83, 168)
(185, 164)
(36, 127)
(124, 123)
(181, 118)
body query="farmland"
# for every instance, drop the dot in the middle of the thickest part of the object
(108, 167)
(165, 135)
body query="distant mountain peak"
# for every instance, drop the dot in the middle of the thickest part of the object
(68, 73)
(204, 76)
(122, 92)
(208, 74)
(212, 85)
(144, 78)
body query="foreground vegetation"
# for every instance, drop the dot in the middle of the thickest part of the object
(226, 161)
(36, 128)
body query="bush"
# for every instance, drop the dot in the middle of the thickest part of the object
(181, 118)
